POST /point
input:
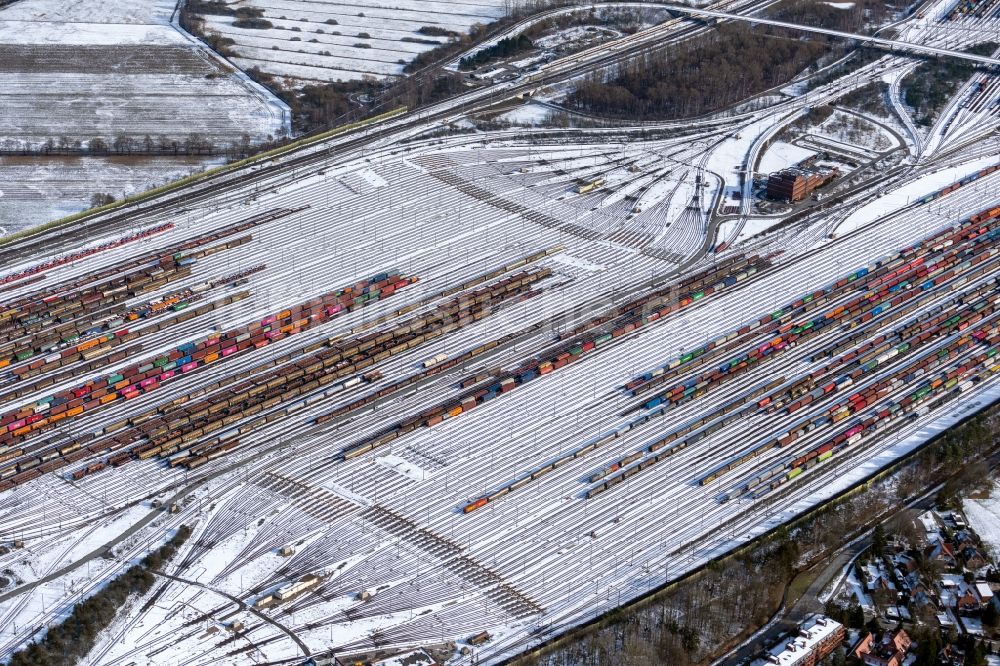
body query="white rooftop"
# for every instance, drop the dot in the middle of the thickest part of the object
(811, 633)
(929, 521)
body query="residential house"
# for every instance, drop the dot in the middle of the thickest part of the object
(962, 538)
(966, 599)
(905, 564)
(940, 551)
(985, 593)
(914, 586)
(973, 559)
(951, 656)
(890, 650)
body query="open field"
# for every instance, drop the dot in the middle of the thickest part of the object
(38, 189)
(331, 41)
(94, 69)
(77, 72)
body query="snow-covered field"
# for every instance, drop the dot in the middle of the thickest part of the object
(984, 518)
(92, 68)
(72, 72)
(328, 40)
(35, 190)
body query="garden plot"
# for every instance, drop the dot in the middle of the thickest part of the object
(341, 41)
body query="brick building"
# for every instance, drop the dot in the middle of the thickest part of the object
(798, 183)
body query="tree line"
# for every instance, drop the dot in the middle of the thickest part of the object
(123, 144)
(69, 641)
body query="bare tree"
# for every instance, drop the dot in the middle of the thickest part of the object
(98, 146)
(124, 144)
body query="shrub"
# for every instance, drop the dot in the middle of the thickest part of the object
(437, 31)
(253, 23)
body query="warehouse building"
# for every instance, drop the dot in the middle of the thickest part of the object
(797, 183)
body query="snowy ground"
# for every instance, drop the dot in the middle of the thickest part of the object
(781, 155)
(35, 190)
(327, 40)
(984, 518)
(857, 133)
(529, 114)
(75, 71)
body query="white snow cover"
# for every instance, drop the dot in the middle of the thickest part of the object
(325, 40)
(781, 154)
(984, 518)
(914, 191)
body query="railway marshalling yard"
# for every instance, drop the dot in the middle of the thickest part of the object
(449, 388)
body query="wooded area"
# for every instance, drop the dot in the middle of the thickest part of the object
(507, 46)
(732, 63)
(728, 65)
(858, 17)
(928, 88)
